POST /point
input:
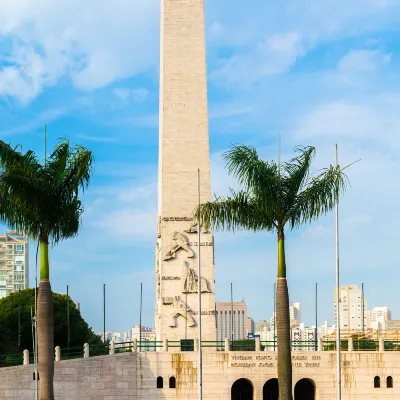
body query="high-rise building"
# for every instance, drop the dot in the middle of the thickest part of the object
(238, 322)
(111, 336)
(295, 314)
(146, 334)
(377, 317)
(351, 309)
(14, 262)
(302, 336)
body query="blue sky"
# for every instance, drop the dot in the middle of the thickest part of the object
(310, 72)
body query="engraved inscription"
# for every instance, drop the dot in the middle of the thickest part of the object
(177, 219)
(201, 243)
(270, 361)
(212, 312)
(171, 278)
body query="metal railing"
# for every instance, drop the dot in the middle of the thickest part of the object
(11, 360)
(348, 345)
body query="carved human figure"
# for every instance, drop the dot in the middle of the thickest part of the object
(181, 310)
(194, 229)
(190, 280)
(178, 242)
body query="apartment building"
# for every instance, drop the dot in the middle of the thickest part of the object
(351, 308)
(14, 262)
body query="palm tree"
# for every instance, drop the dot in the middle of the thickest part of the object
(274, 197)
(43, 201)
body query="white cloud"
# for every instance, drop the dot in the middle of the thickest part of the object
(376, 119)
(363, 61)
(271, 56)
(94, 43)
(138, 95)
(128, 223)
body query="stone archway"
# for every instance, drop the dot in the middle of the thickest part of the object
(304, 390)
(242, 389)
(271, 390)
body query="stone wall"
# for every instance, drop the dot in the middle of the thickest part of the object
(134, 375)
(100, 378)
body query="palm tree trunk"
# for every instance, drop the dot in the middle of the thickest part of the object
(45, 327)
(283, 325)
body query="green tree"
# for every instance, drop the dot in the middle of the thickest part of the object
(80, 332)
(275, 197)
(43, 200)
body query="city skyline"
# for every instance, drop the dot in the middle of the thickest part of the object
(310, 84)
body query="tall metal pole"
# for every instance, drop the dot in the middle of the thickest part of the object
(338, 356)
(274, 313)
(104, 313)
(232, 313)
(186, 316)
(362, 305)
(68, 332)
(36, 334)
(140, 317)
(19, 320)
(199, 290)
(45, 144)
(316, 316)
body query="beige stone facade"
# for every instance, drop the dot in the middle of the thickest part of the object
(184, 149)
(133, 376)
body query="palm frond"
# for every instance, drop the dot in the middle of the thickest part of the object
(258, 177)
(319, 196)
(57, 162)
(296, 173)
(240, 211)
(43, 201)
(79, 170)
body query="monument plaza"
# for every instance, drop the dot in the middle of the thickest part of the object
(171, 372)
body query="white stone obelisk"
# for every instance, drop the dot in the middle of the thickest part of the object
(183, 149)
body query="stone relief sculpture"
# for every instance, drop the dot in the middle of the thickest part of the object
(194, 229)
(178, 242)
(158, 279)
(190, 280)
(181, 310)
(159, 227)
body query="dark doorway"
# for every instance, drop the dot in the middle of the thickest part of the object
(304, 390)
(271, 390)
(242, 389)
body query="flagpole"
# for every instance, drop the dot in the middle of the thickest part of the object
(338, 357)
(199, 290)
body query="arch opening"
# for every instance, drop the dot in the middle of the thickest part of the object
(304, 390)
(242, 389)
(271, 390)
(389, 382)
(377, 382)
(172, 382)
(160, 382)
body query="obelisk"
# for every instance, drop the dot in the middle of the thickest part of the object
(183, 149)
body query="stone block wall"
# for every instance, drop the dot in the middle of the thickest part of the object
(134, 375)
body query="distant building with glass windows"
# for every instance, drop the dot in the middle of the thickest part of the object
(234, 326)
(14, 262)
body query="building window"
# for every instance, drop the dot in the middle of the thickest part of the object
(377, 382)
(389, 382)
(160, 383)
(172, 382)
